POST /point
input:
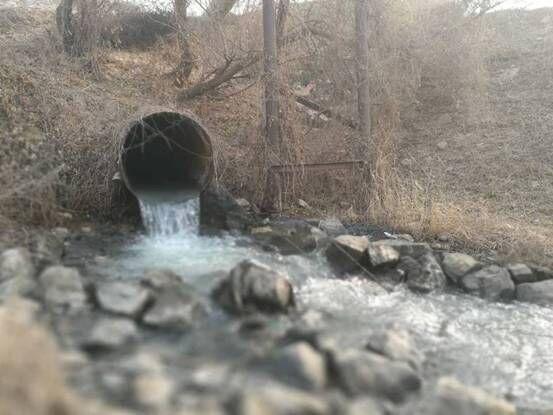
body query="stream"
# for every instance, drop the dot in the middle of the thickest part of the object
(506, 349)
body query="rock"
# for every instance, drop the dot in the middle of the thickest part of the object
(382, 255)
(252, 287)
(454, 398)
(332, 227)
(127, 299)
(153, 390)
(288, 237)
(429, 277)
(457, 265)
(521, 273)
(300, 366)
(110, 333)
(536, 292)
(61, 233)
(276, 400)
(17, 273)
(220, 212)
(493, 283)
(243, 203)
(174, 308)
(363, 372)
(63, 288)
(542, 273)
(396, 344)
(364, 406)
(346, 252)
(406, 248)
(47, 249)
(161, 278)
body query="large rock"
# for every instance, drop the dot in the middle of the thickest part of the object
(62, 289)
(457, 265)
(175, 308)
(521, 273)
(454, 398)
(542, 273)
(536, 292)
(382, 255)
(396, 344)
(277, 400)
(429, 277)
(493, 283)
(366, 373)
(124, 298)
(17, 273)
(299, 365)
(288, 237)
(110, 333)
(332, 227)
(347, 253)
(252, 287)
(406, 248)
(220, 213)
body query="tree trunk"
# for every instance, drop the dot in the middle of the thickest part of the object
(363, 92)
(64, 22)
(272, 124)
(282, 17)
(186, 63)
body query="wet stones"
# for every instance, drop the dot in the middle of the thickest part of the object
(347, 252)
(62, 289)
(110, 333)
(457, 265)
(176, 308)
(536, 292)
(253, 287)
(366, 373)
(122, 298)
(380, 254)
(291, 237)
(396, 344)
(454, 398)
(17, 273)
(493, 283)
(429, 277)
(220, 212)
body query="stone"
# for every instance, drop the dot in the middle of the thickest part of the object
(429, 277)
(243, 203)
(153, 390)
(347, 253)
(454, 398)
(493, 283)
(301, 366)
(396, 344)
(542, 273)
(62, 288)
(17, 273)
(365, 373)
(332, 227)
(288, 237)
(174, 309)
(161, 278)
(457, 265)
(277, 400)
(61, 233)
(127, 299)
(521, 273)
(364, 406)
(253, 287)
(110, 333)
(406, 248)
(536, 292)
(382, 255)
(220, 212)
(47, 249)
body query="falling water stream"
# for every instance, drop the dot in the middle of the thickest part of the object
(506, 349)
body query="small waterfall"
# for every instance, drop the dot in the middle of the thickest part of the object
(163, 216)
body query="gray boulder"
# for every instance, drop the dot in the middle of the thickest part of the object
(536, 292)
(288, 237)
(174, 308)
(429, 277)
(332, 227)
(363, 372)
(454, 398)
(253, 287)
(299, 365)
(382, 255)
(62, 288)
(124, 298)
(521, 273)
(347, 253)
(457, 265)
(110, 333)
(220, 212)
(17, 273)
(406, 248)
(542, 273)
(364, 406)
(493, 283)
(396, 344)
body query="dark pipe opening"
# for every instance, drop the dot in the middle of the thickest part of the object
(168, 152)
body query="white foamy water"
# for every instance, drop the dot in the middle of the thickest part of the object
(506, 349)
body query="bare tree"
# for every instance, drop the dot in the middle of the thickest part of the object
(186, 63)
(362, 52)
(272, 124)
(64, 22)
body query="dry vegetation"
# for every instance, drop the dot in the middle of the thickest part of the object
(434, 77)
